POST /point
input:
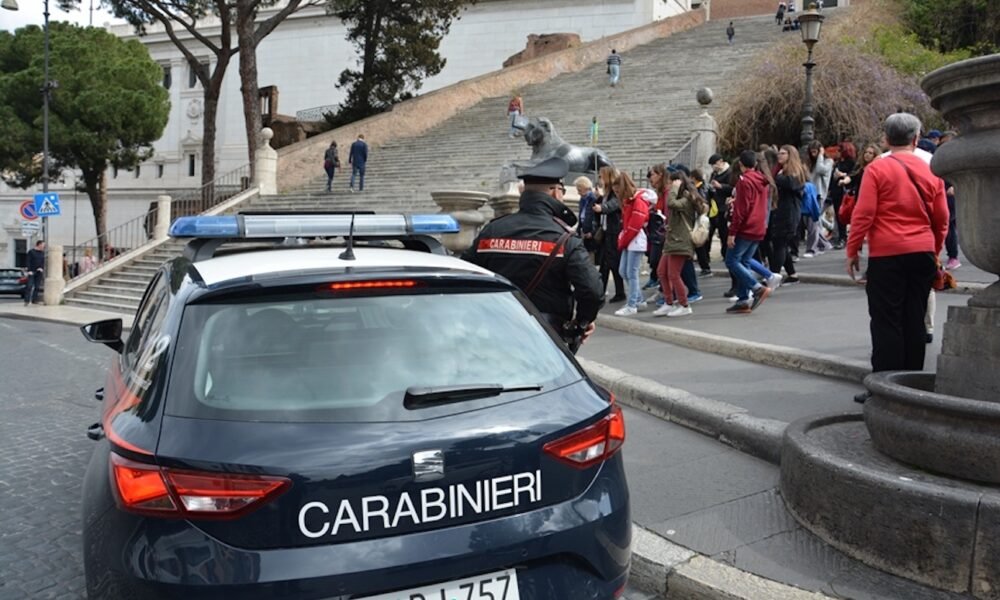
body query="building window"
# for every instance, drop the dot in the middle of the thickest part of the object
(191, 165)
(159, 171)
(167, 79)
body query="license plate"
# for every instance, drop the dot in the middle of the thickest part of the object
(501, 585)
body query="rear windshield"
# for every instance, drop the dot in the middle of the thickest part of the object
(352, 359)
(10, 272)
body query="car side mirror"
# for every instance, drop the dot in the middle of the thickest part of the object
(107, 332)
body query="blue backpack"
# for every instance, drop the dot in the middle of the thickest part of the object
(810, 201)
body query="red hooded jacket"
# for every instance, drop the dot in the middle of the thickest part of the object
(635, 214)
(749, 220)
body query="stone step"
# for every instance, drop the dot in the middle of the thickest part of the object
(76, 300)
(123, 280)
(120, 299)
(118, 290)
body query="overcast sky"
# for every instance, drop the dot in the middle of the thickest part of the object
(30, 13)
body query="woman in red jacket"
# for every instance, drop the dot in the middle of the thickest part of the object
(632, 241)
(903, 213)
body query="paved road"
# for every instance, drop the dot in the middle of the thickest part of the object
(49, 374)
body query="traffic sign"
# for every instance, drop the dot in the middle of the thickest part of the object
(28, 211)
(47, 205)
(30, 228)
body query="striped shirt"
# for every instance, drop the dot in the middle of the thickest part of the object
(614, 59)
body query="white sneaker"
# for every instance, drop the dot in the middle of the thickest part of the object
(666, 309)
(642, 305)
(774, 281)
(626, 311)
(808, 255)
(749, 298)
(680, 311)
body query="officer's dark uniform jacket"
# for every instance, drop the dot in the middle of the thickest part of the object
(516, 245)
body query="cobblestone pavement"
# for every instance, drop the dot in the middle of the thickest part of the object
(49, 374)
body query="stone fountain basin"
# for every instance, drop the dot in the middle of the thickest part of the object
(956, 437)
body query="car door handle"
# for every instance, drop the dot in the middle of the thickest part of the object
(96, 432)
(99, 394)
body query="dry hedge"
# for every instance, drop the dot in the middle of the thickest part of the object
(853, 91)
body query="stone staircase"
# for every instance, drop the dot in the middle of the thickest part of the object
(121, 290)
(645, 120)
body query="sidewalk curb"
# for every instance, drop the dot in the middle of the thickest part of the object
(772, 355)
(967, 287)
(677, 573)
(63, 320)
(729, 424)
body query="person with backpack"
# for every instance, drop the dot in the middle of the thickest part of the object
(331, 162)
(684, 204)
(816, 243)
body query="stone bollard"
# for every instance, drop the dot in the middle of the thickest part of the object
(464, 206)
(266, 165)
(54, 282)
(506, 201)
(706, 133)
(162, 218)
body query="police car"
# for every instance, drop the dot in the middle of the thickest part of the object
(330, 407)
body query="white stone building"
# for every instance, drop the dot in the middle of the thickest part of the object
(303, 57)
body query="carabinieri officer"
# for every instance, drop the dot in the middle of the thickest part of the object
(536, 249)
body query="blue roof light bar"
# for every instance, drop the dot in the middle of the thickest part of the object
(205, 227)
(310, 225)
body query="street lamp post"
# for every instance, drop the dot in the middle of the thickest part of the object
(47, 87)
(810, 23)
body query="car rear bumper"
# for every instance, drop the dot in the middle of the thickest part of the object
(578, 549)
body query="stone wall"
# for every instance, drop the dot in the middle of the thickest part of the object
(298, 163)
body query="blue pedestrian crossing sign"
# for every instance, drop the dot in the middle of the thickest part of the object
(47, 205)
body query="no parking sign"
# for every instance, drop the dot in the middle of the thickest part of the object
(27, 210)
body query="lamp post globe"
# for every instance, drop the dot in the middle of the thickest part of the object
(810, 25)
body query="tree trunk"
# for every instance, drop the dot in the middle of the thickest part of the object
(246, 34)
(95, 185)
(212, 93)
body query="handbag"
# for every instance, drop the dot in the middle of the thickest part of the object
(847, 208)
(699, 233)
(943, 280)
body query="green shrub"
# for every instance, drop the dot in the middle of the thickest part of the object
(902, 51)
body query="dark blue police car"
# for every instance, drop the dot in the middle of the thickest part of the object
(301, 420)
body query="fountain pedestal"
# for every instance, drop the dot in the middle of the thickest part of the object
(914, 488)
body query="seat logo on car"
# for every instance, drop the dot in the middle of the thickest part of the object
(428, 465)
(381, 513)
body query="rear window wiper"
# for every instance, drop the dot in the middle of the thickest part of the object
(422, 397)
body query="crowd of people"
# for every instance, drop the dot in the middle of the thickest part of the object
(770, 208)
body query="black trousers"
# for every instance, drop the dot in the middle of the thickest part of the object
(897, 289)
(608, 261)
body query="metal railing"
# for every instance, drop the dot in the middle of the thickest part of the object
(685, 155)
(115, 242)
(120, 240)
(208, 196)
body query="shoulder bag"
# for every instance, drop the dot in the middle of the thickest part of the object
(943, 280)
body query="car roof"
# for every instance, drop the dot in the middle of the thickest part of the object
(247, 264)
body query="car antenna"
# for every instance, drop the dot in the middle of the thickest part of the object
(348, 253)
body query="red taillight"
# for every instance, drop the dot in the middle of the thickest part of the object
(350, 286)
(592, 445)
(149, 489)
(23, 280)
